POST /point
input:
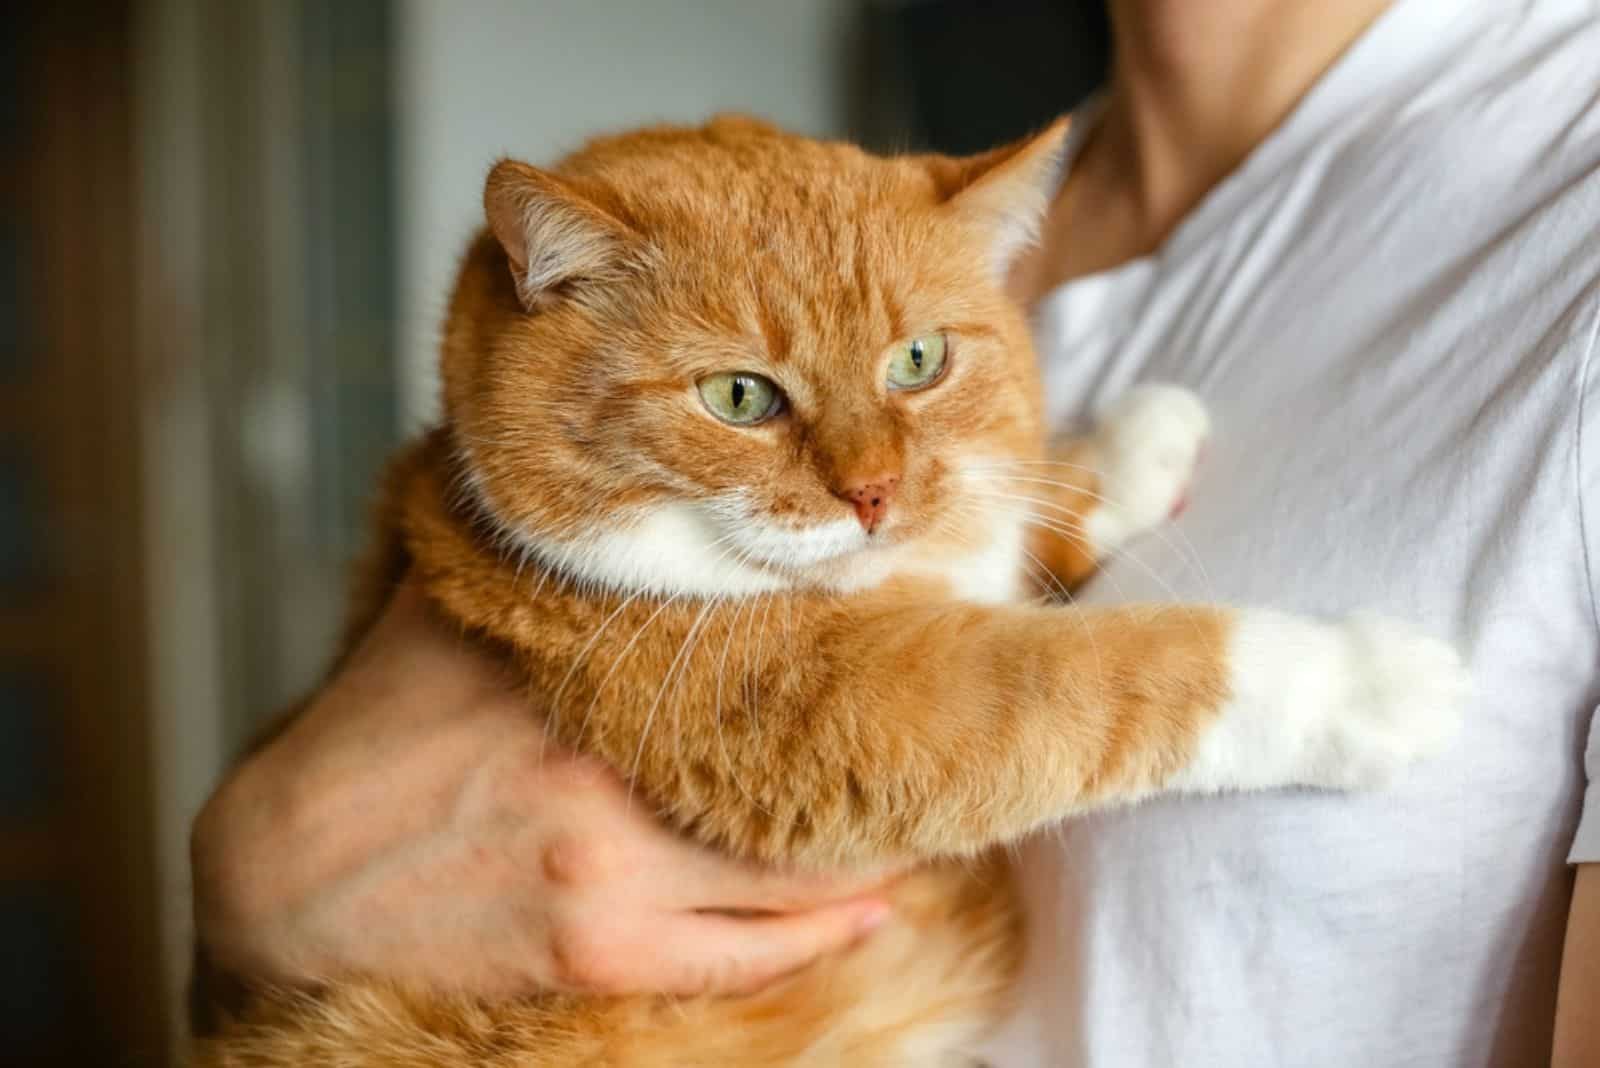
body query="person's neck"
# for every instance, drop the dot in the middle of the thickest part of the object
(1195, 86)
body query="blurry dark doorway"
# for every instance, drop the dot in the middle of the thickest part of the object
(197, 386)
(80, 976)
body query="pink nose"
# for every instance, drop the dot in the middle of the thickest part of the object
(870, 496)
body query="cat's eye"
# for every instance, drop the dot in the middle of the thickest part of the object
(741, 398)
(917, 363)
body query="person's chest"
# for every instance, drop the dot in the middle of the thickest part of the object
(1391, 331)
(1395, 405)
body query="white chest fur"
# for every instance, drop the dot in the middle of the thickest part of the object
(993, 574)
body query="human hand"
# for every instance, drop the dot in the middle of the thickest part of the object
(414, 822)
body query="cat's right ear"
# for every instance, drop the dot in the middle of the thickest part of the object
(1006, 192)
(554, 236)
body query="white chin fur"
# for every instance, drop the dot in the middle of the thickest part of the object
(1342, 705)
(684, 550)
(789, 549)
(674, 549)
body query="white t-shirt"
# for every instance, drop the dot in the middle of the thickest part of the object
(1391, 309)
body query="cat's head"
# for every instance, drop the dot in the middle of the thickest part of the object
(728, 359)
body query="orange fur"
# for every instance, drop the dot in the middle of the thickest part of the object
(854, 709)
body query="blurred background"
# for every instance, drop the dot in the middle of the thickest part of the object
(227, 230)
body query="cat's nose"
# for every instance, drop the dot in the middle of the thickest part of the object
(870, 496)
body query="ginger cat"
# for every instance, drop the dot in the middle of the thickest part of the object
(742, 463)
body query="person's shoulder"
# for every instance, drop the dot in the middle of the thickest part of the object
(1553, 31)
(1514, 109)
(1521, 67)
(1545, 55)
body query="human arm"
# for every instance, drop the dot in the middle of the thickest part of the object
(414, 822)
(1577, 1037)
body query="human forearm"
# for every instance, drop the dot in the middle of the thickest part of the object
(413, 822)
(1577, 1038)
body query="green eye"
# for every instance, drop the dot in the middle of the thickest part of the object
(916, 363)
(741, 398)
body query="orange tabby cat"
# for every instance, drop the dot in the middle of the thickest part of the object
(742, 462)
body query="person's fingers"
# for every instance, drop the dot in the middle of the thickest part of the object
(693, 953)
(726, 955)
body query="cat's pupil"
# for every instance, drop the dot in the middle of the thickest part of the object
(916, 355)
(737, 393)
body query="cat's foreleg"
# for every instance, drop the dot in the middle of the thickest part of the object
(916, 731)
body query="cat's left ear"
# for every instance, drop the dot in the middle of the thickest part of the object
(1005, 192)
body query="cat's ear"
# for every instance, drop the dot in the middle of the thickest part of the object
(554, 236)
(1005, 192)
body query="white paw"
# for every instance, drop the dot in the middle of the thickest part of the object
(1147, 444)
(1403, 703)
(1343, 705)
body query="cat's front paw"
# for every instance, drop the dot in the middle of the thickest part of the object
(1346, 705)
(1404, 700)
(1146, 445)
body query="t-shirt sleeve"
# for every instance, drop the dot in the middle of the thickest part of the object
(1586, 844)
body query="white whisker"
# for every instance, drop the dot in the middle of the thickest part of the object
(672, 668)
(622, 655)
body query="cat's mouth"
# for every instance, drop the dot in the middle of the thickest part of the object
(797, 549)
(746, 535)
